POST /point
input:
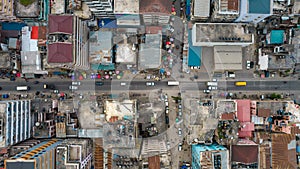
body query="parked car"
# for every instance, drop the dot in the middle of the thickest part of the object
(167, 120)
(180, 146)
(248, 65)
(179, 106)
(179, 131)
(206, 91)
(150, 84)
(180, 113)
(55, 91)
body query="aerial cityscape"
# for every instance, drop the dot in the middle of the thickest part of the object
(150, 84)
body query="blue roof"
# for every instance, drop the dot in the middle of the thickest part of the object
(194, 54)
(259, 6)
(203, 147)
(277, 37)
(12, 26)
(108, 23)
(102, 67)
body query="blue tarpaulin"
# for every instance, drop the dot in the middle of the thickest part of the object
(194, 55)
(107, 23)
(277, 37)
(15, 26)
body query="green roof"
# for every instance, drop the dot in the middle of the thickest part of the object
(277, 37)
(259, 6)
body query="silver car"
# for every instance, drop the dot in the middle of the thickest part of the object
(150, 84)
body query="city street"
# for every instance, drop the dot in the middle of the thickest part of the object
(88, 85)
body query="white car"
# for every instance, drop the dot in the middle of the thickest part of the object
(76, 83)
(212, 87)
(179, 131)
(248, 64)
(55, 91)
(180, 146)
(73, 87)
(150, 84)
(206, 91)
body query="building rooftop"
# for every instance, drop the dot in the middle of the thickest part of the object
(58, 7)
(201, 8)
(30, 11)
(154, 162)
(228, 58)
(31, 62)
(155, 6)
(121, 110)
(209, 34)
(4, 60)
(60, 24)
(239, 155)
(150, 52)
(284, 151)
(259, 6)
(125, 54)
(60, 53)
(277, 37)
(243, 110)
(126, 6)
(261, 112)
(194, 52)
(229, 6)
(101, 47)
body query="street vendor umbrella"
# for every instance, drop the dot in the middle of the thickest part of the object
(118, 77)
(99, 76)
(170, 51)
(162, 71)
(171, 39)
(117, 72)
(106, 76)
(80, 77)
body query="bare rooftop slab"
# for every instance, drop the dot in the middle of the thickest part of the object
(126, 7)
(210, 34)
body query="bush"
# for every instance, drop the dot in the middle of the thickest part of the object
(26, 2)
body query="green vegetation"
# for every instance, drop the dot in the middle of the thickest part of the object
(26, 2)
(275, 96)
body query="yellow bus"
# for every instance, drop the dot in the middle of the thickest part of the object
(240, 83)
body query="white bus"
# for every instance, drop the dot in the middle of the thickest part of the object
(22, 88)
(173, 83)
(212, 83)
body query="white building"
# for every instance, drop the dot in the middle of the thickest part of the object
(15, 122)
(101, 8)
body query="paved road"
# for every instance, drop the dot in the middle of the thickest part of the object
(140, 85)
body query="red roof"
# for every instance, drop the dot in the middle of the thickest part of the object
(61, 23)
(245, 154)
(34, 32)
(246, 129)
(243, 110)
(60, 53)
(228, 116)
(156, 6)
(154, 162)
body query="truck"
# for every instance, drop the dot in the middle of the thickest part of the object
(22, 88)
(212, 83)
(240, 83)
(173, 83)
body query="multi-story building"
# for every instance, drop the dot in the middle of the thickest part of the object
(68, 43)
(7, 11)
(40, 156)
(75, 154)
(15, 121)
(210, 156)
(101, 8)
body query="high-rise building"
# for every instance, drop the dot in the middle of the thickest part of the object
(41, 156)
(101, 8)
(75, 154)
(15, 121)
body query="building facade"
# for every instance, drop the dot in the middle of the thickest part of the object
(41, 156)
(15, 121)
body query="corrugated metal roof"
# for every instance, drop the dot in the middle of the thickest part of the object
(60, 23)
(246, 154)
(259, 6)
(284, 151)
(201, 8)
(243, 110)
(154, 162)
(60, 53)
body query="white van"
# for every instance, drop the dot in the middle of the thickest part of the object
(22, 88)
(123, 84)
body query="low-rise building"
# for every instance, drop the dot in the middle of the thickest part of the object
(150, 52)
(210, 156)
